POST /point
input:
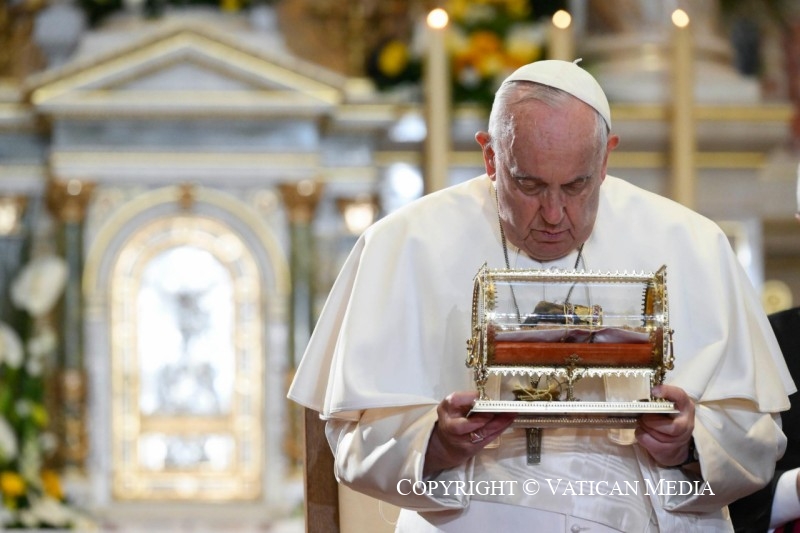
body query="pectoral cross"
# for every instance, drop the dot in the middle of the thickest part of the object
(533, 445)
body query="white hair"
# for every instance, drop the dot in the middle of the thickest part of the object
(512, 94)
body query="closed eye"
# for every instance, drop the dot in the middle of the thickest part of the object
(530, 185)
(576, 186)
(534, 186)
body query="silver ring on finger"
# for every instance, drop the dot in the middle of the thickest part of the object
(475, 437)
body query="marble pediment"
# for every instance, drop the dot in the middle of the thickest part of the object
(187, 69)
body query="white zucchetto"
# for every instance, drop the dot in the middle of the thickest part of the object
(568, 77)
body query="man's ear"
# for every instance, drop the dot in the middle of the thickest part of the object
(485, 140)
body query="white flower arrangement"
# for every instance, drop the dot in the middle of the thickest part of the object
(53, 513)
(30, 494)
(10, 346)
(8, 441)
(39, 285)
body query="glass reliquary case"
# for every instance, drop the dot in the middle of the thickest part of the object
(554, 327)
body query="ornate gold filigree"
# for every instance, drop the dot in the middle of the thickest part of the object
(68, 199)
(565, 342)
(301, 199)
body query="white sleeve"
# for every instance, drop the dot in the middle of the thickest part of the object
(737, 447)
(383, 454)
(785, 501)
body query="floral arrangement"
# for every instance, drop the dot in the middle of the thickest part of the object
(31, 493)
(487, 40)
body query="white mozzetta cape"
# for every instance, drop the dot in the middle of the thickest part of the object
(394, 329)
(393, 335)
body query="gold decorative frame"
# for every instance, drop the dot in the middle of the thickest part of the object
(241, 479)
(579, 359)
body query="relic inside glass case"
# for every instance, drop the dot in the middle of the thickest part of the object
(555, 327)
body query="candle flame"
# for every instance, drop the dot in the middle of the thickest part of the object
(562, 19)
(438, 18)
(680, 18)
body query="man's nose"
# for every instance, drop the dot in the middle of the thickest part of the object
(552, 207)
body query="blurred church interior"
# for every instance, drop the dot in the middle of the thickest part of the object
(180, 181)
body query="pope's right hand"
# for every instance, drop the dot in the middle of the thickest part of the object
(456, 437)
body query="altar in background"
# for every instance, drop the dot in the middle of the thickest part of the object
(205, 172)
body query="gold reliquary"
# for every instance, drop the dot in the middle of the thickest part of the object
(548, 329)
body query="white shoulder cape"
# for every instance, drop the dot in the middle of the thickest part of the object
(393, 331)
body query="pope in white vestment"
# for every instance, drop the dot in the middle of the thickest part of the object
(390, 345)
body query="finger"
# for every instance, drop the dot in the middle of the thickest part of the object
(664, 434)
(664, 423)
(661, 430)
(486, 425)
(476, 430)
(666, 453)
(676, 424)
(454, 424)
(650, 443)
(459, 403)
(667, 428)
(655, 445)
(677, 395)
(452, 413)
(492, 429)
(497, 424)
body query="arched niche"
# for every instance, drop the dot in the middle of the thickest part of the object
(186, 293)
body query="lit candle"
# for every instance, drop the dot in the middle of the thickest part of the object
(682, 134)
(561, 43)
(437, 102)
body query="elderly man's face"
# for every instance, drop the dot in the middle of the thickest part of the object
(548, 177)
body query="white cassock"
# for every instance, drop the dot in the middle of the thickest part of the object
(391, 344)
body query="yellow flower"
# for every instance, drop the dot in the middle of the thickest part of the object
(522, 52)
(457, 8)
(11, 484)
(456, 40)
(518, 9)
(485, 42)
(230, 5)
(393, 58)
(491, 64)
(484, 54)
(52, 484)
(39, 415)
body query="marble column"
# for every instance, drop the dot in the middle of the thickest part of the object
(301, 199)
(67, 201)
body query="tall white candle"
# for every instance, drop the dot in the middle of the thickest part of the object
(682, 188)
(561, 42)
(437, 102)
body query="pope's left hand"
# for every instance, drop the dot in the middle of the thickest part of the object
(667, 437)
